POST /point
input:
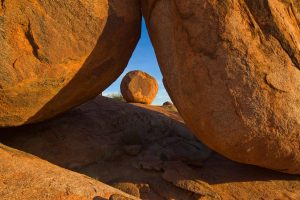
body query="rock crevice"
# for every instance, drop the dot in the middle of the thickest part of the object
(32, 42)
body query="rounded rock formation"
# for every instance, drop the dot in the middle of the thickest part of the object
(232, 69)
(168, 103)
(139, 87)
(58, 54)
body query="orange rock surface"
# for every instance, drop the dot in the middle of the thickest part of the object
(28, 177)
(232, 69)
(58, 54)
(139, 87)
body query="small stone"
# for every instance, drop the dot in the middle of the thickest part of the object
(128, 188)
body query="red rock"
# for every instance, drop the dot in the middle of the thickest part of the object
(139, 87)
(232, 69)
(58, 54)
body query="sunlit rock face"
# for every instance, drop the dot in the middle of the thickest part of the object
(29, 177)
(232, 68)
(139, 87)
(58, 54)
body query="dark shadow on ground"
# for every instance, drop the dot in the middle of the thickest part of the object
(94, 139)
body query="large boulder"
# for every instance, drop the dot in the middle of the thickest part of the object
(139, 87)
(58, 54)
(232, 69)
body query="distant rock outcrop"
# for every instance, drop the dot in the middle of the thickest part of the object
(139, 87)
(58, 54)
(168, 103)
(170, 106)
(232, 68)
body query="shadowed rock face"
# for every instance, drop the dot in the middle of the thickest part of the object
(102, 128)
(139, 87)
(58, 54)
(232, 69)
(143, 150)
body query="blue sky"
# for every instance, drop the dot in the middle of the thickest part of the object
(143, 59)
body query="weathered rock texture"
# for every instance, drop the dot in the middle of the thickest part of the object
(98, 138)
(23, 176)
(58, 54)
(232, 69)
(139, 87)
(97, 130)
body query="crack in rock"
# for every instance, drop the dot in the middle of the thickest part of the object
(3, 4)
(31, 40)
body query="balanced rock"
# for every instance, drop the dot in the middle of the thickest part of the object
(232, 69)
(58, 54)
(139, 87)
